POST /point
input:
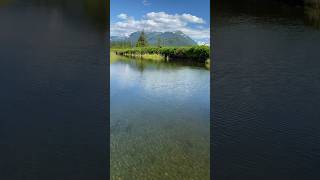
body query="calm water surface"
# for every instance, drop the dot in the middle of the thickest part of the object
(160, 125)
(53, 115)
(266, 94)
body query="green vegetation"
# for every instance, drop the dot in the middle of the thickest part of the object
(193, 53)
(153, 57)
(121, 44)
(142, 41)
(143, 50)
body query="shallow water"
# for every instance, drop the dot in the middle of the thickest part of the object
(160, 125)
(266, 84)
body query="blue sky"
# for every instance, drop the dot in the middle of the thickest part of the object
(189, 16)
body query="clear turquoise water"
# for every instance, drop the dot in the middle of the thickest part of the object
(160, 125)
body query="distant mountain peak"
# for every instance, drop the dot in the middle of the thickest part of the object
(178, 32)
(168, 38)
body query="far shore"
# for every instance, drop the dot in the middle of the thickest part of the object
(198, 54)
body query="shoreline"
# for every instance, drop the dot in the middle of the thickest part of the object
(198, 54)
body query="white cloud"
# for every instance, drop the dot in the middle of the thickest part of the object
(192, 19)
(191, 25)
(146, 2)
(203, 43)
(123, 16)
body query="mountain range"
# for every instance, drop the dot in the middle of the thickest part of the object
(176, 38)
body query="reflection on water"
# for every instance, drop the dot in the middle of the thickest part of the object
(95, 10)
(159, 120)
(5, 2)
(312, 11)
(266, 90)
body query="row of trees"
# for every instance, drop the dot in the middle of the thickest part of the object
(196, 53)
(121, 44)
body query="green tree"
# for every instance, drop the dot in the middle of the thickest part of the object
(159, 42)
(142, 41)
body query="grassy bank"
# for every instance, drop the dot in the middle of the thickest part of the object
(194, 53)
(153, 57)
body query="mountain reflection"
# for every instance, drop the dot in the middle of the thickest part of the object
(305, 11)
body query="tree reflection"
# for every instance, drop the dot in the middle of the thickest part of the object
(5, 2)
(93, 9)
(312, 12)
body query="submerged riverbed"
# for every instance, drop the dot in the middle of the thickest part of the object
(160, 125)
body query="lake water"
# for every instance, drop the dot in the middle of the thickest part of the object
(160, 123)
(53, 110)
(266, 91)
